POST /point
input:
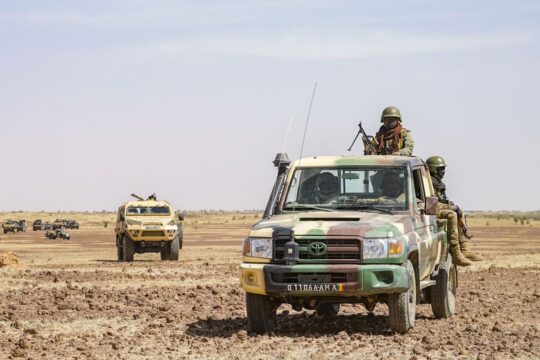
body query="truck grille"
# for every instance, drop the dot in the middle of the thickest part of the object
(151, 233)
(310, 278)
(337, 250)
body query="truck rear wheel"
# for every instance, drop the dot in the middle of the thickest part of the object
(402, 307)
(443, 293)
(128, 249)
(261, 313)
(328, 310)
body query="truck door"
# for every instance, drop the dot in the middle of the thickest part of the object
(427, 225)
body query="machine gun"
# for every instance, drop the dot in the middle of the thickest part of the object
(370, 143)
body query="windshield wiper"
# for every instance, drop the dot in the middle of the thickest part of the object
(372, 208)
(307, 207)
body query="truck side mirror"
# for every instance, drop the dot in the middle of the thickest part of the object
(121, 217)
(180, 216)
(432, 205)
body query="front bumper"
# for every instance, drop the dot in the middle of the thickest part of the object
(324, 280)
(154, 234)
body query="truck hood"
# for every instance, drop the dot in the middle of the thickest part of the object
(342, 223)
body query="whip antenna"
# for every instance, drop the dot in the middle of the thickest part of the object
(307, 120)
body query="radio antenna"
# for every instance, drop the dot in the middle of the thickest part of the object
(302, 148)
(287, 134)
(307, 120)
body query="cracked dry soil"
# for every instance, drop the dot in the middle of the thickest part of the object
(91, 307)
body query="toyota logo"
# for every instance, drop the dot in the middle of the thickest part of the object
(317, 249)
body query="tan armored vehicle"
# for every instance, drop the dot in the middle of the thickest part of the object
(148, 225)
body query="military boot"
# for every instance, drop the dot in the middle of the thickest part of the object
(457, 257)
(465, 248)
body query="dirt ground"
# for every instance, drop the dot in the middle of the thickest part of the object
(71, 299)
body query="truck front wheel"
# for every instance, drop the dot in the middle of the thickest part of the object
(402, 307)
(261, 313)
(174, 249)
(119, 250)
(443, 293)
(128, 249)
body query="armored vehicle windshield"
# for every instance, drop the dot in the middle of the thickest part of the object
(347, 188)
(148, 210)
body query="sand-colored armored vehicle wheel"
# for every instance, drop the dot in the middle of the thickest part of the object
(328, 310)
(443, 293)
(165, 253)
(128, 249)
(402, 307)
(261, 313)
(120, 252)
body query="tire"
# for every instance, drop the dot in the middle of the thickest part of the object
(174, 249)
(181, 235)
(165, 253)
(328, 310)
(128, 249)
(119, 251)
(402, 307)
(443, 293)
(261, 313)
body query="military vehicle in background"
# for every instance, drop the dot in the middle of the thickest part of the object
(40, 225)
(349, 229)
(9, 226)
(20, 225)
(66, 224)
(57, 234)
(14, 226)
(72, 224)
(148, 225)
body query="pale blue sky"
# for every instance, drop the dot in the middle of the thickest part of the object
(192, 99)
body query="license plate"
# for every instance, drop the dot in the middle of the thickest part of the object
(315, 287)
(153, 227)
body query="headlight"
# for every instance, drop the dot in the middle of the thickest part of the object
(382, 248)
(172, 222)
(133, 222)
(375, 248)
(258, 247)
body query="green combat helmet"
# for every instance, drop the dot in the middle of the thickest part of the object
(435, 162)
(391, 111)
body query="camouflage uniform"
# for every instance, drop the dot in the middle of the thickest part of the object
(449, 211)
(393, 141)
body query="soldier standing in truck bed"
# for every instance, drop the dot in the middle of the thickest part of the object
(392, 138)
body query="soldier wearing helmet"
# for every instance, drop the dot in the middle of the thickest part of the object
(326, 187)
(457, 231)
(392, 138)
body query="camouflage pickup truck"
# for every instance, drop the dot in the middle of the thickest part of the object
(349, 229)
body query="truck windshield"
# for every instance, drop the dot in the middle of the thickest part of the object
(148, 210)
(377, 188)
